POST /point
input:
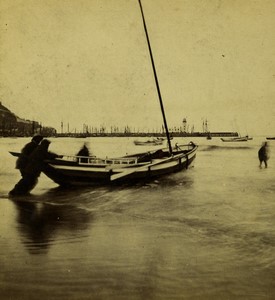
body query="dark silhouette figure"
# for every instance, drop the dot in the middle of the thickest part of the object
(84, 151)
(263, 154)
(36, 164)
(23, 158)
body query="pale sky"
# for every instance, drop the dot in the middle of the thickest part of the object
(87, 61)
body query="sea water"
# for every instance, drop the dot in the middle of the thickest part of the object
(204, 233)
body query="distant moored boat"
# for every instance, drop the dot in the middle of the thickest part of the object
(237, 139)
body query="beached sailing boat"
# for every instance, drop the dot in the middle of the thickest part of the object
(78, 170)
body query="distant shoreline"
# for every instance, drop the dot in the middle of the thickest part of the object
(150, 134)
(139, 134)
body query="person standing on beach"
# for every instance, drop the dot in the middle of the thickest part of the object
(263, 154)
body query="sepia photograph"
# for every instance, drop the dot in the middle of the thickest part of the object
(137, 146)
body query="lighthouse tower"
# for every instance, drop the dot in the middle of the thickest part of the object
(184, 123)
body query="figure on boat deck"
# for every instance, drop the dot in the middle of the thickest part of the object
(84, 151)
(23, 158)
(36, 164)
(263, 154)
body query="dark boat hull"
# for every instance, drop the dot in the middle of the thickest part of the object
(75, 176)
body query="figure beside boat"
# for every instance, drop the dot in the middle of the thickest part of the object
(83, 153)
(33, 167)
(27, 150)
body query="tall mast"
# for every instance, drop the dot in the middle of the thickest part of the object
(156, 80)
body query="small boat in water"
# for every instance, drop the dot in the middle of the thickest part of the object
(152, 141)
(237, 139)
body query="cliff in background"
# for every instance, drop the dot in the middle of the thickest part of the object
(12, 125)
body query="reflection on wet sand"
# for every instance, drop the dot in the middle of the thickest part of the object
(42, 223)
